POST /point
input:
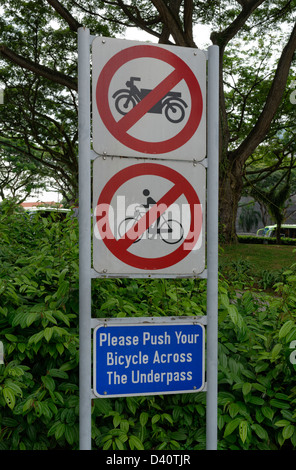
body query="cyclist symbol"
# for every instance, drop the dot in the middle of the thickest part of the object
(150, 201)
(172, 104)
(171, 231)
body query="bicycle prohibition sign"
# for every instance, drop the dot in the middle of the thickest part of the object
(152, 222)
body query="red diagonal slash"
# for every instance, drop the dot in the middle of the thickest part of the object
(153, 97)
(149, 218)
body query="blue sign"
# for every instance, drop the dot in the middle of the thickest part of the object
(148, 359)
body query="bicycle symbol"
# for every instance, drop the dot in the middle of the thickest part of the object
(172, 104)
(170, 231)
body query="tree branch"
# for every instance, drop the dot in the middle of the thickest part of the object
(171, 21)
(39, 70)
(223, 37)
(188, 15)
(273, 100)
(65, 14)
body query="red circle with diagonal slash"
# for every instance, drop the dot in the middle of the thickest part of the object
(119, 248)
(119, 129)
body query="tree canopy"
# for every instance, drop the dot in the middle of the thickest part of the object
(257, 41)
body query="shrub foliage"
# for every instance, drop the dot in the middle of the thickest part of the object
(39, 387)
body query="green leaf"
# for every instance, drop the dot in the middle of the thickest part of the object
(224, 300)
(124, 425)
(48, 333)
(167, 417)
(279, 404)
(260, 431)
(276, 350)
(233, 409)
(119, 444)
(135, 443)
(21, 347)
(70, 434)
(9, 397)
(233, 313)
(36, 338)
(282, 396)
(288, 431)
(267, 412)
(60, 315)
(243, 430)
(14, 387)
(286, 328)
(11, 338)
(155, 418)
(48, 382)
(31, 317)
(9, 422)
(143, 418)
(28, 404)
(58, 373)
(116, 420)
(162, 445)
(256, 400)
(247, 387)
(108, 444)
(60, 348)
(59, 431)
(179, 435)
(231, 426)
(282, 423)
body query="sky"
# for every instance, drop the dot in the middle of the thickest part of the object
(201, 35)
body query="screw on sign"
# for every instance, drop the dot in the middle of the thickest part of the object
(135, 228)
(136, 101)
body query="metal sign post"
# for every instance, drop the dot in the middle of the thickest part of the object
(84, 239)
(212, 246)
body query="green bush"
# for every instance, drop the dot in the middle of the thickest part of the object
(38, 327)
(265, 240)
(39, 406)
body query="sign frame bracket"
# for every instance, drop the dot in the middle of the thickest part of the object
(86, 273)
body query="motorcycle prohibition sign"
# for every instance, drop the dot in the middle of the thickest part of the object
(172, 104)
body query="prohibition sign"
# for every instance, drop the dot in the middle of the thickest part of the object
(119, 129)
(119, 248)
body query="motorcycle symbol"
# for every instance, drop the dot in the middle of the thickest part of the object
(172, 104)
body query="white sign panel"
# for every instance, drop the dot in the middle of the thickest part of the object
(148, 217)
(148, 100)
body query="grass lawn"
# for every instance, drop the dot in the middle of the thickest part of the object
(258, 258)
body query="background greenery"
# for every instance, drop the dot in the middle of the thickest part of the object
(257, 43)
(39, 390)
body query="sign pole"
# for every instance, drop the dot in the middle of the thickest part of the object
(212, 246)
(84, 240)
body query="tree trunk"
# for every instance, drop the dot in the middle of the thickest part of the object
(278, 234)
(231, 185)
